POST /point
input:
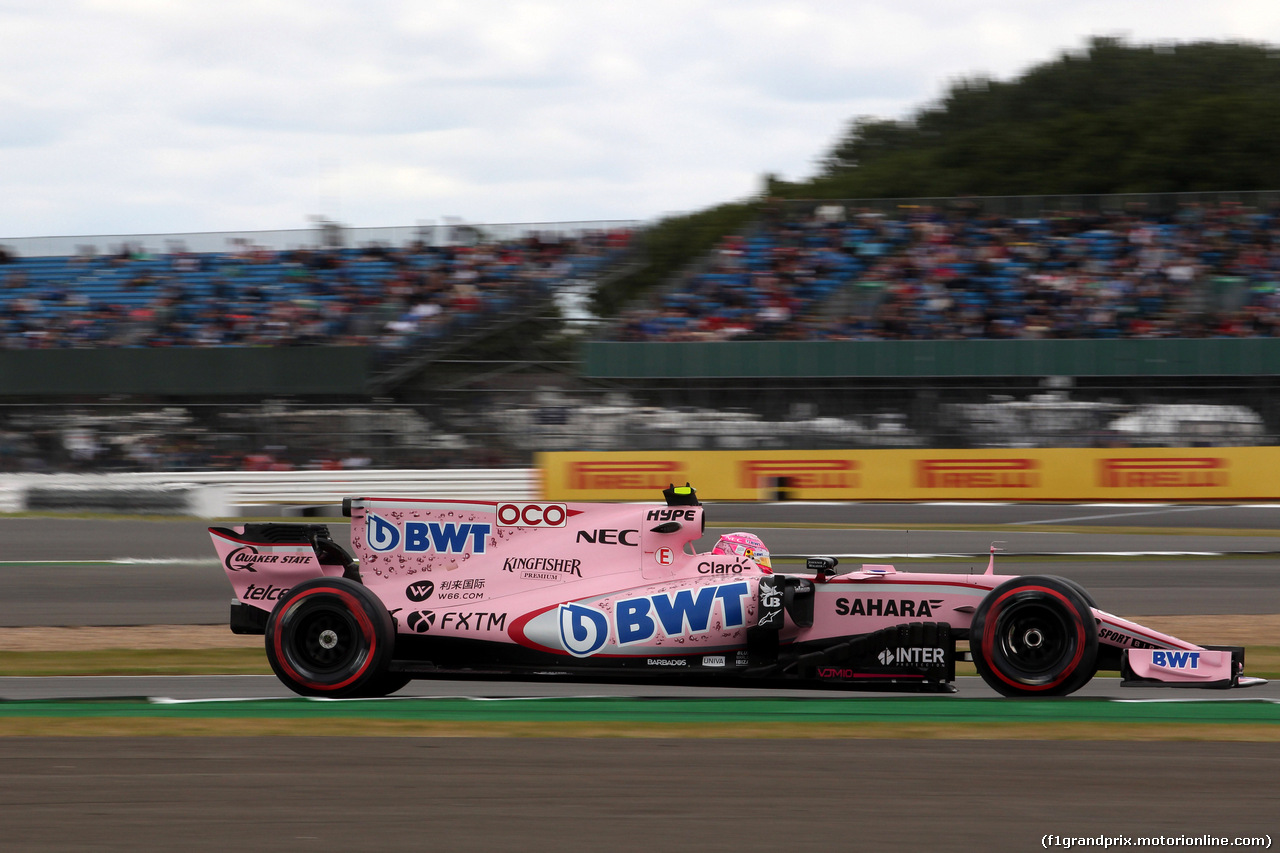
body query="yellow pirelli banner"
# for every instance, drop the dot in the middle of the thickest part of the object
(1120, 474)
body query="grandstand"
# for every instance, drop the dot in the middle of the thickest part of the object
(962, 323)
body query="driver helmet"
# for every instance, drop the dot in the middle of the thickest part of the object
(746, 545)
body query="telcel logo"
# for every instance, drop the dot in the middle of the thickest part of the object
(1176, 660)
(532, 515)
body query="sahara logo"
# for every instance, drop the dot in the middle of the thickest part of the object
(420, 536)
(584, 630)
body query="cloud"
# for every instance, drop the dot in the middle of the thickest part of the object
(121, 116)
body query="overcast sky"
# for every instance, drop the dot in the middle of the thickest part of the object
(146, 116)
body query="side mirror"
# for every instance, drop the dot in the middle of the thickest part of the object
(825, 567)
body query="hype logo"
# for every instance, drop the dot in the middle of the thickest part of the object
(583, 630)
(381, 534)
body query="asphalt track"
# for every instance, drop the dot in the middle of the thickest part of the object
(356, 793)
(465, 794)
(103, 572)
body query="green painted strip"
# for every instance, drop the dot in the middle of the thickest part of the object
(679, 711)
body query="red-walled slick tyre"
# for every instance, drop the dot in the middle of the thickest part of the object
(330, 637)
(1034, 636)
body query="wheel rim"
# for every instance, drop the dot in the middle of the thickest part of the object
(1035, 641)
(327, 641)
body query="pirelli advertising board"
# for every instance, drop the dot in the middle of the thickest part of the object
(1125, 474)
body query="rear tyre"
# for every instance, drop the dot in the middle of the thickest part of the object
(331, 637)
(1034, 636)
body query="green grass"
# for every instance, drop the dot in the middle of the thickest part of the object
(136, 662)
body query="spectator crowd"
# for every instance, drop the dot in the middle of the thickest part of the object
(1206, 271)
(252, 296)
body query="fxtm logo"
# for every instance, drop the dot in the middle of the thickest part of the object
(532, 515)
(584, 630)
(1176, 660)
(420, 536)
(422, 621)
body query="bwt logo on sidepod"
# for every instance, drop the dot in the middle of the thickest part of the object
(584, 630)
(532, 515)
(421, 536)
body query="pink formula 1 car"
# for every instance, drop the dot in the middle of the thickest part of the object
(615, 592)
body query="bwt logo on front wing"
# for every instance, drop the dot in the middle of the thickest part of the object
(584, 630)
(803, 473)
(657, 474)
(977, 474)
(1176, 660)
(1178, 473)
(422, 536)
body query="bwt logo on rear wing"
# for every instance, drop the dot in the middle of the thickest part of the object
(656, 474)
(1176, 472)
(977, 474)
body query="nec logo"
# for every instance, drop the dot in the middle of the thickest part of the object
(657, 474)
(1179, 472)
(532, 515)
(977, 474)
(803, 473)
(1176, 660)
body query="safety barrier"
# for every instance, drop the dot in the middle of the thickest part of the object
(1103, 474)
(214, 494)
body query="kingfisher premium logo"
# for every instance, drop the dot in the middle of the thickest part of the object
(1180, 472)
(977, 473)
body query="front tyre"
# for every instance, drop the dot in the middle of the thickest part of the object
(1034, 636)
(330, 637)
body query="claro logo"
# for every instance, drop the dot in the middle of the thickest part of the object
(1187, 472)
(803, 473)
(657, 474)
(977, 474)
